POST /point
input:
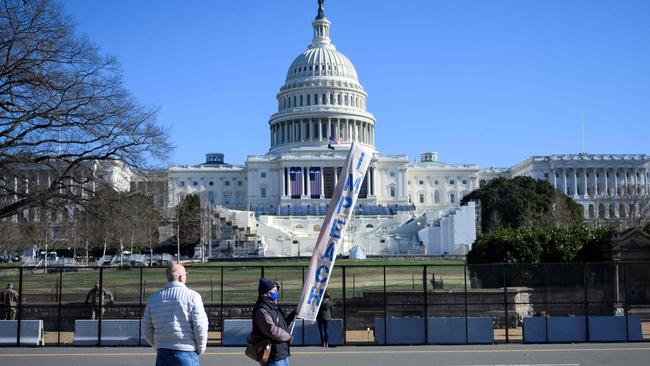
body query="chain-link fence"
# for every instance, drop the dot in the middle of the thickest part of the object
(517, 302)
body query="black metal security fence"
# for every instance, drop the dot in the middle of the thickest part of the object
(518, 302)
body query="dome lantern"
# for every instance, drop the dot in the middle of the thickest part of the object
(321, 29)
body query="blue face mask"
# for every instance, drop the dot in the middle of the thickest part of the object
(273, 296)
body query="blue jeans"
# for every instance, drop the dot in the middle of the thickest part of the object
(282, 362)
(322, 329)
(171, 357)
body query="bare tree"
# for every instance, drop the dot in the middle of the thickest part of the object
(63, 110)
(10, 238)
(633, 207)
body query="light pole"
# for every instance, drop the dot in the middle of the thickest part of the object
(178, 230)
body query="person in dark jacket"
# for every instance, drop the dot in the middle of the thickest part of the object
(324, 316)
(269, 321)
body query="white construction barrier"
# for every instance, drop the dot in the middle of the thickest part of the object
(115, 332)
(31, 332)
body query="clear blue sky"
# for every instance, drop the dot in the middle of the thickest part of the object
(487, 82)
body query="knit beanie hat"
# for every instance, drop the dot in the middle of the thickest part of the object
(265, 286)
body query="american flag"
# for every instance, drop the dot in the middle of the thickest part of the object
(333, 141)
(295, 176)
(314, 178)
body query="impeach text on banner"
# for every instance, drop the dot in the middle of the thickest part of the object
(338, 215)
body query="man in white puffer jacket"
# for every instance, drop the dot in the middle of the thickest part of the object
(175, 322)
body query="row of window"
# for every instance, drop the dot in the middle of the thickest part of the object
(227, 198)
(627, 175)
(436, 197)
(344, 99)
(318, 69)
(211, 183)
(319, 83)
(609, 211)
(435, 182)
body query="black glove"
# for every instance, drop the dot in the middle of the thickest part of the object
(291, 317)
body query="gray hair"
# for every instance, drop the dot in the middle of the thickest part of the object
(174, 275)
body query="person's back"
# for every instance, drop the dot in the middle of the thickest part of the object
(175, 323)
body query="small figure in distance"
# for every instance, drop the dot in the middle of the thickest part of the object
(323, 317)
(10, 297)
(98, 300)
(175, 322)
(269, 321)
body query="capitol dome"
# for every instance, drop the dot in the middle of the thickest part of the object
(319, 62)
(321, 99)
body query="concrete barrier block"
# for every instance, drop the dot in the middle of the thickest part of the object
(312, 335)
(451, 330)
(480, 330)
(613, 328)
(115, 332)
(400, 331)
(447, 330)
(31, 332)
(236, 331)
(535, 330)
(566, 329)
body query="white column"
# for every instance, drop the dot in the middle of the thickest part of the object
(320, 129)
(584, 178)
(615, 182)
(329, 129)
(595, 173)
(564, 179)
(337, 133)
(322, 183)
(554, 178)
(625, 181)
(606, 181)
(283, 172)
(308, 192)
(575, 182)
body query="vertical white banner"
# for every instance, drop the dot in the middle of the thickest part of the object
(331, 234)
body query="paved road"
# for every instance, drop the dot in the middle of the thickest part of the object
(493, 355)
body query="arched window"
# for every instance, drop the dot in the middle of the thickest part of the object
(308, 99)
(301, 100)
(621, 211)
(369, 226)
(592, 211)
(211, 197)
(436, 196)
(324, 99)
(601, 211)
(338, 99)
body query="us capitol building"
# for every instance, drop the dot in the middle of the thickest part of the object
(275, 204)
